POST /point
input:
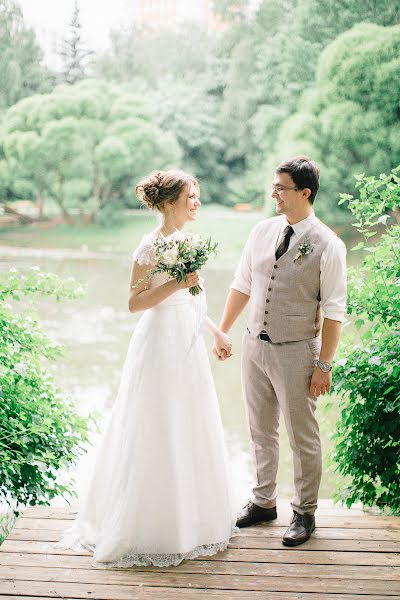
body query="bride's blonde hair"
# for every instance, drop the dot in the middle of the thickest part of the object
(163, 186)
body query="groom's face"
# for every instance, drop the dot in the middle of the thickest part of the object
(288, 199)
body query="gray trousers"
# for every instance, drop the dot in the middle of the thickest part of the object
(276, 377)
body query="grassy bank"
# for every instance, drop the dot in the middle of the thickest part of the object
(227, 227)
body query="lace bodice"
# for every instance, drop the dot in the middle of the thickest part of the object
(144, 254)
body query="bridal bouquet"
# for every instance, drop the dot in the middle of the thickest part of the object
(180, 254)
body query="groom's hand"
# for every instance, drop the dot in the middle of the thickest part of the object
(222, 347)
(221, 353)
(221, 356)
(320, 382)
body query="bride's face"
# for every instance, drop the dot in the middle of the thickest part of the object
(186, 206)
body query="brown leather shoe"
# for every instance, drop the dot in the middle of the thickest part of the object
(299, 530)
(252, 513)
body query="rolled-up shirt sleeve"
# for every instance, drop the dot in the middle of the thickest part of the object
(242, 278)
(333, 286)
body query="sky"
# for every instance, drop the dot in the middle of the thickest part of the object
(50, 19)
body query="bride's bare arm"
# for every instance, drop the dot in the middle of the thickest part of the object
(141, 297)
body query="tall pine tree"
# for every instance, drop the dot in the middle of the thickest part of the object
(74, 54)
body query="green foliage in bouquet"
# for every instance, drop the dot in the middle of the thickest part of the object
(39, 430)
(367, 441)
(192, 254)
(178, 255)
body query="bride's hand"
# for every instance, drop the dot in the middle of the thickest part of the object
(222, 347)
(191, 280)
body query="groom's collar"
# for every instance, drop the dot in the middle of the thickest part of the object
(301, 226)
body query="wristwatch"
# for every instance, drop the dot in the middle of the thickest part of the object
(324, 366)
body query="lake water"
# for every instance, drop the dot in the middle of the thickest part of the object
(97, 329)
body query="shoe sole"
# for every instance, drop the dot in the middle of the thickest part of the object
(257, 521)
(292, 543)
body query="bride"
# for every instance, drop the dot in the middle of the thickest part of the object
(159, 491)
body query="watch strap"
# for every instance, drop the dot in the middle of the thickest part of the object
(324, 366)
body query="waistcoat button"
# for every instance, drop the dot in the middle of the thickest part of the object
(275, 266)
(273, 277)
(267, 300)
(265, 322)
(269, 289)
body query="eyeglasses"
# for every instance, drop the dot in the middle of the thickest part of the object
(282, 188)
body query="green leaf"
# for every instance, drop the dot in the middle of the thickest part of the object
(359, 246)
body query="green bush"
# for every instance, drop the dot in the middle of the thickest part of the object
(348, 120)
(367, 441)
(110, 215)
(39, 430)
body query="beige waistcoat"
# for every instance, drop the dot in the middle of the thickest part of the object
(285, 294)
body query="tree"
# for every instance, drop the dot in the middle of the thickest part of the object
(74, 54)
(349, 122)
(230, 10)
(142, 55)
(180, 79)
(84, 145)
(191, 116)
(24, 169)
(329, 19)
(272, 63)
(21, 69)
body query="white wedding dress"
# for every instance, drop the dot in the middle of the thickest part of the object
(159, 491)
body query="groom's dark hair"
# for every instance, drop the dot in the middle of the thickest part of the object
(304, 172)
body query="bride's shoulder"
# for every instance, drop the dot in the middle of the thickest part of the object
(144, 253)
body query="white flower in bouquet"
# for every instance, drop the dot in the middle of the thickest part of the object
(179, 255)
(170, 256)
(197, 241)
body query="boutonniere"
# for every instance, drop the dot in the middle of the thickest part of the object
(304, 249)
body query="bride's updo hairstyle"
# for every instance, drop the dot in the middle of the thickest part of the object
(163, 186)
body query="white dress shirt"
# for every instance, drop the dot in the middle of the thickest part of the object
(333, 279)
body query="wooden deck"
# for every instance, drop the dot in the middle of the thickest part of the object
(351, 556)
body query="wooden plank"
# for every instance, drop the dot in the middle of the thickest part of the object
(72, 591)
(244, 542)
(312, 544)
(131, 577)
(351, 556)
(216, 567)
(325, 533)
(325, 518)
(323, 504)
(49, 512)
(281, 554)
(43, 535)
(316, 557)
(54, 524)
(37, 547)
(263, 529)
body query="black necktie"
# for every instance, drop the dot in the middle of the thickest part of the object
(284, 245)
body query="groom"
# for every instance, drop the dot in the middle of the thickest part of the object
(292, 267)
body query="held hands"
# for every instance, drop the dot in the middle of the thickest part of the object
(320, 382)
(222, 347)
